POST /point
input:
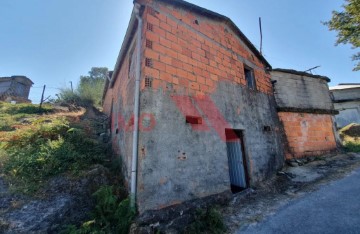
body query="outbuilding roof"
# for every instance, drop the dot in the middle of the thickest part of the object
(301, 73)
(345, 86)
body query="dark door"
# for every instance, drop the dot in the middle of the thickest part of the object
(237, 166)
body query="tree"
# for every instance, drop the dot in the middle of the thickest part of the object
(91, 87)
(347, 24)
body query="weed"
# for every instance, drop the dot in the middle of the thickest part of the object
(111, 215)
(352, 146)
(46, 148)
(207, 221)
(24, 108)
(73, 98)
(11, 114)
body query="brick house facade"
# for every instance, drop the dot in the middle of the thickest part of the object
(208, 122)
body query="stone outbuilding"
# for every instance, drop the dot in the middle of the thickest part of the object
(346, 98)
(15, 88)
(306, 111)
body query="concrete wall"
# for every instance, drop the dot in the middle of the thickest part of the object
(298, 91)
(198, 70)
(349, 112)
(306, 112)
(346, 94)
(347, 102)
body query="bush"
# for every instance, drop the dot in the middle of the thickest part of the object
(23, 108)
(352, 146)
(207, 221)
(111, 215)
(67, 96)
(44, 149)
(10, 114)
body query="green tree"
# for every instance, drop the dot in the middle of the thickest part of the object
(91, 87)
(347, 24)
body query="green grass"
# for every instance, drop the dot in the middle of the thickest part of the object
(352, 146)
(35, 147)
(12, 114)
(45, 146)
(111, 215)
(350, 136)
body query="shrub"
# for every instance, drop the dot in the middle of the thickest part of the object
(207, 221)
(10, 114)
(352, 146)
(23, 108)
(67, 96)
(44, 149)
(111, 215)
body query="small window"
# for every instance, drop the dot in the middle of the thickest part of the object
(148, 82)
(249, 77)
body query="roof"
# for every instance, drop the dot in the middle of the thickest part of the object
(301, 73)
(345, 86)
(191, 7)
(2, 79)
(4, 86)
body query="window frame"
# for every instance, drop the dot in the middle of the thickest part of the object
(250, 83)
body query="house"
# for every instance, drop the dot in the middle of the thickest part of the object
(346, 98)
(306, 111)
(192, 107)
(15, 88)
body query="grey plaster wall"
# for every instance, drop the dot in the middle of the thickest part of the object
(347, 102)
(346, 94)
(349, 112)
(296, 91)
(177, 163)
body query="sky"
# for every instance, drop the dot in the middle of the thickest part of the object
(54, 42)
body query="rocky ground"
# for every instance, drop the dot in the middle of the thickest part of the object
(294, 181)
(64, 200)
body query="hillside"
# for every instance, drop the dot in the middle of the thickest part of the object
(56, 174)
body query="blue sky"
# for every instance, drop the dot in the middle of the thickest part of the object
(54, 42)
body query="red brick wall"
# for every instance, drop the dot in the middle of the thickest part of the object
(194, 57)
(308, 134)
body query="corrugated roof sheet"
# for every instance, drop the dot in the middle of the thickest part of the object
(345, 86)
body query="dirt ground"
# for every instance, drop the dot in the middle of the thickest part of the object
(303, 176)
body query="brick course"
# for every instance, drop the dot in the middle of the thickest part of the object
(194, 53)
(308, 134)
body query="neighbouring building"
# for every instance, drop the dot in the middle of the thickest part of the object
(208, 118)
(346, 98)
(15, 88)
(306, 112)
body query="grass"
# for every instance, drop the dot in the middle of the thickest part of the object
(12, 114)
(35, 147)
(352, 146)
(350, 136)
(111, 215)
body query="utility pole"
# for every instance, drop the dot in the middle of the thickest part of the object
(42, 97)
(72, 90)
(261, 36)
